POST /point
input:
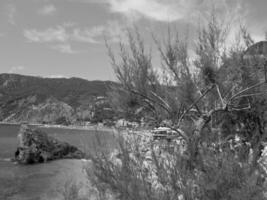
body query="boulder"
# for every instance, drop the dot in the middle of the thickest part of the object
(35, 146)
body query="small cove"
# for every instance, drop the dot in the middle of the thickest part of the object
(45, 181)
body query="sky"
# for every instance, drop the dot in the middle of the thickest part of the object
(65, 38)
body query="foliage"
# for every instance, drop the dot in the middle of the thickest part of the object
(216, 104)
(62, 121)
(161, 171)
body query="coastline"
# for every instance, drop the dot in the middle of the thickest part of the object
(71, 127)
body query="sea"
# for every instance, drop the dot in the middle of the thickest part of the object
(48, 181)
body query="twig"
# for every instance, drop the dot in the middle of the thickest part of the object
(239, 109)
(179, 131)
(229, 92)
(162, 100)
(220, 95)
(193, 104)
(248, 95)
(149, 99)
(165, 58)
(245, 90)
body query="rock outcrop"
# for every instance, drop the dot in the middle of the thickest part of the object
(35, 146)
(47, 112)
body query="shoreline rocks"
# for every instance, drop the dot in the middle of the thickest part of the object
(35, 146)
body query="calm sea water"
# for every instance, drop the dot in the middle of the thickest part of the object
(45, 181)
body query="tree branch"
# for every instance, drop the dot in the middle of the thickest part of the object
(194, 103)
(245, 90)
(149, 99)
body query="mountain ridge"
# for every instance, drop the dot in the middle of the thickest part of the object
(44, 100)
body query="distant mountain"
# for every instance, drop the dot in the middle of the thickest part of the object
(47, 100)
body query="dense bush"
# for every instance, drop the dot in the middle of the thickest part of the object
(216, 104)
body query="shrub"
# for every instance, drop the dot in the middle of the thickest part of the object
(217, 111)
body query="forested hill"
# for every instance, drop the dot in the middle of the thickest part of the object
(29, 98)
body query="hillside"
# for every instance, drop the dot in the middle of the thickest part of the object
(45, 100)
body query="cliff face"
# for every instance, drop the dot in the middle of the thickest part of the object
(49, 111)
(43, 100)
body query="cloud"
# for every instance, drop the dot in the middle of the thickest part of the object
(64, 48)
(58, 38)
(251, 13)
(57, 76)
(63, 37)
(47, 10)
(66, 33)
(158, 10)
(58, 34)
(15, 69)
(11, 12)
(112, 30)
(167, 10)
(85, 35)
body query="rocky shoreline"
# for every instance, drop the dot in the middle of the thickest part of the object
(70, 127)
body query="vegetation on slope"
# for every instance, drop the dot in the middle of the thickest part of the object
(22, 96)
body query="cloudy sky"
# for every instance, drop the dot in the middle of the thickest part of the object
(64, 38)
